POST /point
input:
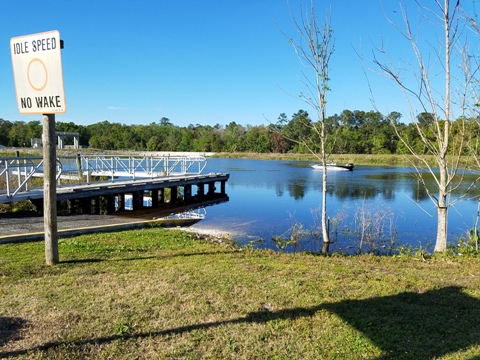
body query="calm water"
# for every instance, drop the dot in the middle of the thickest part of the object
(268, 197)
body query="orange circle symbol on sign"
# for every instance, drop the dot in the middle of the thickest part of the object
(37, 74)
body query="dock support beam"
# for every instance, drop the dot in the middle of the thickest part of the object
(161, 196)
(137, 200)
(110, 204)
(173, 195)
(154, 198)
(187, 193)
(121, 202)
(95, 205)
(200, 191)
(85, 205)
(211, 188)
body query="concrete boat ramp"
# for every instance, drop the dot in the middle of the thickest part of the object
(31, 228)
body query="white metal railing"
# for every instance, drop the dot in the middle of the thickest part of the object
(15, 172)
(141, 167)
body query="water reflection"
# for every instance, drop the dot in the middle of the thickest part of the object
(419, 192)
(297, 188)
(279, 190)
(345, 191)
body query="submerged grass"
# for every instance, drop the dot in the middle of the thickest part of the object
(156, 293)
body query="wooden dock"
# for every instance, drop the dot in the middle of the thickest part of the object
(108, 193)
(109, 196)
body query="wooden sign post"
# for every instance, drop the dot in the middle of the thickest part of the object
(50, 190)
(37, 69)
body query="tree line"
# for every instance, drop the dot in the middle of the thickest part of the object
(351, 132)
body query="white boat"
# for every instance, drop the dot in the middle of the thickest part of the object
(334, 166)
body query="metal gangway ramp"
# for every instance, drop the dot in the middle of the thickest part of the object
(141, 167)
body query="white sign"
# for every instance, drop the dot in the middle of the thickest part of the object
(37, 69)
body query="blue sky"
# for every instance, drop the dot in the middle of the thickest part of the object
(195, 62)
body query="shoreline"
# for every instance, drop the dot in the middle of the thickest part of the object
(16, 229)
(206, 231)
(404, 160)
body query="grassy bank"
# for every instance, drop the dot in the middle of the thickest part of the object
(163, 294)
(357, 159)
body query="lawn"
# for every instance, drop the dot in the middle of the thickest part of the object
(167, 294)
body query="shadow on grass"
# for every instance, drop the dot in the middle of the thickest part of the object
(134, 258)
(405, 326)
(10, 329)
(81, 261)
(415, 325)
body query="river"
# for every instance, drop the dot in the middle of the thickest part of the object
(386, 204)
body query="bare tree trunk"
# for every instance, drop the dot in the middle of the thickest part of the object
(441, 243)
(442, 209)
(442, 205)
(314, 50)
(325, 232)
(437, 137)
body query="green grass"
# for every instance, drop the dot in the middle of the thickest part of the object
(163, 294)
